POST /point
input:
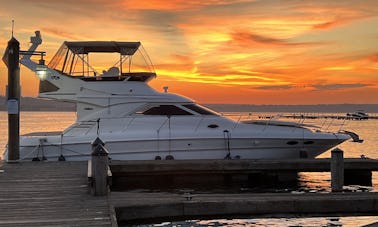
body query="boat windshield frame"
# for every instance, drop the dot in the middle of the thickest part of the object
(134, 64)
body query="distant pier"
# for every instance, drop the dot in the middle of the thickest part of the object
(317, 116)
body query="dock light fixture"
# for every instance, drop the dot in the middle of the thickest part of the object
(41, 69)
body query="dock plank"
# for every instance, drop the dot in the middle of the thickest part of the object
(49, 194)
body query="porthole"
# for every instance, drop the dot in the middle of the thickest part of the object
(292, 142)
(308, 142)
(169, 157)
(212, 126)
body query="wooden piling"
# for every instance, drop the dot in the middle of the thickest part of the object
(11, 59)
(337, 170)
(100, 165)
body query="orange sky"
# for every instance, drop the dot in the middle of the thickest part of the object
(221, 51)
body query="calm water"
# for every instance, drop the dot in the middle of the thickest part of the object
(368, 130)
(275, 222)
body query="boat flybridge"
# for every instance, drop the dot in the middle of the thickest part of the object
(136, 122)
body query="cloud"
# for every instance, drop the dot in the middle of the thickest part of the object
(274, 87)
(173, 5)
(319, 87)
(176, 62)
(60, 33)
(327, 25)
(246, 39)
(373, 58)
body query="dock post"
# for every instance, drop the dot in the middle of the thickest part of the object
(337, 170)
(100, 167)
(11, 59)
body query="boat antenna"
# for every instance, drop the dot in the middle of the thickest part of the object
(12, 27)
(98, 126)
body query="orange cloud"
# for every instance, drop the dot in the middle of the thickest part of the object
(249, 39)
(373, 58)
(60, 33)
(327, 25)
(173, 4)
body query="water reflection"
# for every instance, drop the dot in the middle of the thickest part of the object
(275, 222)
(314, 182)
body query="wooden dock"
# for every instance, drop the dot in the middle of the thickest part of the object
(57, 194)
(159, 167)
(50, 194)
(135, 206)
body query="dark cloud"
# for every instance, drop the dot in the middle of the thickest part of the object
(319, 87)
(274, 87)
(326, 25)
(247, 38)
(161, 20)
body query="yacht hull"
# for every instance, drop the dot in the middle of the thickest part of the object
(206, 148)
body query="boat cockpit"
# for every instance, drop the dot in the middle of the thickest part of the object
(103, 61)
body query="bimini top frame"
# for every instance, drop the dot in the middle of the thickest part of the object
(132, 63)
(124, 48)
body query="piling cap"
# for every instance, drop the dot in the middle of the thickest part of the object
(100, 150)
(337, 150)
(96, 142)
(13, 41)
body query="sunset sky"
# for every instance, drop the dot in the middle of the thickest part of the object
(221, 51)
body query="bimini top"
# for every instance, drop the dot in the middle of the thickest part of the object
(124, 48)
(103, 61)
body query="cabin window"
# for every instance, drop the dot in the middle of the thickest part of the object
(166, 110)
(199, 109)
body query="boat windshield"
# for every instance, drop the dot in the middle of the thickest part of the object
(103, 61)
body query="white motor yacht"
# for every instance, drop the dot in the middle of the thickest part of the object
(137, 122)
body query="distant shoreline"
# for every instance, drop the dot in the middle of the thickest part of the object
(36, 104)
(320, 108)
